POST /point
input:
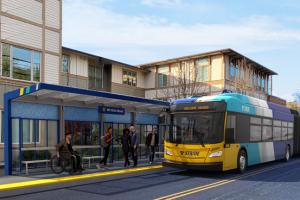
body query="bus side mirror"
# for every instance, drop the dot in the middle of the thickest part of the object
(229, 137)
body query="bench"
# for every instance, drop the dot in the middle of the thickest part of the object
(33, 162)
(89, 158)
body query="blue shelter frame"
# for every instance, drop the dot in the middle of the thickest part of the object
(47, 94)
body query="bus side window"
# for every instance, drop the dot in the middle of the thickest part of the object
(229, 139)
(230, 128)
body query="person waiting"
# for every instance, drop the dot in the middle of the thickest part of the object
(152, 143)
(125, 141)
(134, 145)
(65, 151)
(105, 143)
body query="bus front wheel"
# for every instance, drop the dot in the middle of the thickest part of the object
(242, 161)
(287, 154)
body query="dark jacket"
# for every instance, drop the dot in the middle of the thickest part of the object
(64, 149)
(126, 143)
(134, 139)
(149, 138)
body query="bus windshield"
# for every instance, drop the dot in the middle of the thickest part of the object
(197, 128)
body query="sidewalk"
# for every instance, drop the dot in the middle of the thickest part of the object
(7, 182)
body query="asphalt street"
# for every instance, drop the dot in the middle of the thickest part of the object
(276, 180)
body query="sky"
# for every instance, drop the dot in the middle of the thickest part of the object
(141, 31)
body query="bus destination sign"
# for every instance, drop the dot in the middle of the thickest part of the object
(196, 108)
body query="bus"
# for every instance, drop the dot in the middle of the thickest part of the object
(227, 131)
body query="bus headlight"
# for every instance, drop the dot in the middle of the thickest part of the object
(216, 154)
(169, 153)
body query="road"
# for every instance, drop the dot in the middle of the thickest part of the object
(276, 180)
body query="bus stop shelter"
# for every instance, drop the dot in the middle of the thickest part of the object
(36, 118)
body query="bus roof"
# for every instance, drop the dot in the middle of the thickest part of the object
(244, 104)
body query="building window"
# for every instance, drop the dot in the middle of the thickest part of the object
(34, 131)
(20, 63)
(30, 130)
(263, 82)
(66, 63)
(5, 60)
(163, 76)
(15, 129)
(129, 78)
(95, 77)
(202, 69)
(36, 66)
(234, 70)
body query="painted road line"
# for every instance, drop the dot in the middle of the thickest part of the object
(40, 182)
(213, 185)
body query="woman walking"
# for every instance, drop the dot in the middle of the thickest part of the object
(126, 146)
(105, 142)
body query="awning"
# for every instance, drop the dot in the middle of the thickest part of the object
(62, 95)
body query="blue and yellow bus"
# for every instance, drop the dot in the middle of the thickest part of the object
(227, 131)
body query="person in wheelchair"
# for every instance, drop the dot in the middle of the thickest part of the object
(65, 151)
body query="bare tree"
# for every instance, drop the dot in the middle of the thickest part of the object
(297, 97)
(184, 82)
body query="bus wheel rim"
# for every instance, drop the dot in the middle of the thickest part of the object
(242, 162)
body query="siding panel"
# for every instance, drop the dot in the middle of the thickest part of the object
(51, 69)
(20, 32)
(27, 9)
(53, 13)
(117, 74)
(52, 41)
(127, 90)
(216, 68)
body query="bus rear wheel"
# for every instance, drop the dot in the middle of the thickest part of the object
(287, 154)
(242, 161)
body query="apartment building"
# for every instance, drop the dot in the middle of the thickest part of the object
(30, 44)
(84, 70)
(207, 74)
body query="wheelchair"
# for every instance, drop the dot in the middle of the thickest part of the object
(62, 164)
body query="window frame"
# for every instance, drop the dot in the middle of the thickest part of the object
(62, 63)
(94, 78)
(11, 62)
(39, 142)
(201, 68)
(164, 76)
(130, 80)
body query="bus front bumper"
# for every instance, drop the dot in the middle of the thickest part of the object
(201, 166)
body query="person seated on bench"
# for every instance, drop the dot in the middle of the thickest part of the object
(65, 150)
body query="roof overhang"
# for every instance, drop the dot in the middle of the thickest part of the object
(43, 93)
(228, 51)
(103, 60)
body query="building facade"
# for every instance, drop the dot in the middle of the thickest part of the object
(207, 74)
(87, 71)
(30, 44)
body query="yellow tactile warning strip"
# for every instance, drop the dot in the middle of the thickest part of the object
(213, 185)
(18, 185)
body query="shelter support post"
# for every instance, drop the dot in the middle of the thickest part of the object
(7, 136)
